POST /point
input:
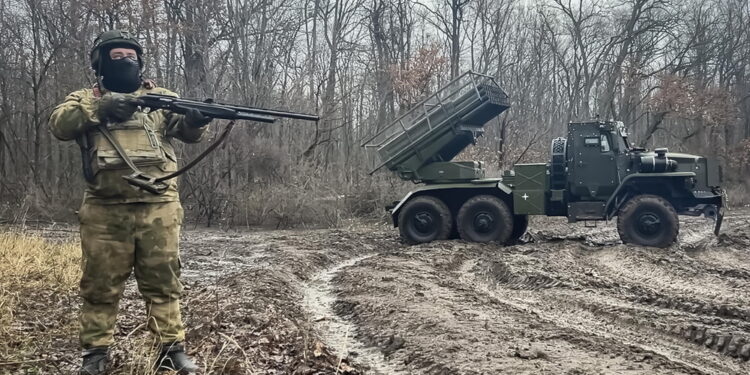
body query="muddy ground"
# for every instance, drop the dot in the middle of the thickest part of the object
(571, 300)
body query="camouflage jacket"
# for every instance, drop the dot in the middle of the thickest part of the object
(146, 137)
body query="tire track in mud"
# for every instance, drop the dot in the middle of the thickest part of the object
(578, 319)
(632, 302)
(340, 335)
(554, 305)
(263, 283)
(600, 311)
(450, 327)
(573, 301)
(605, 321)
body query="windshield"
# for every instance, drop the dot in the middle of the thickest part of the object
(622, 140)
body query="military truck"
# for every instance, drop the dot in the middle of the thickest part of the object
(593, 174)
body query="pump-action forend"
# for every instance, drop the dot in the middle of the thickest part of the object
(212, 109)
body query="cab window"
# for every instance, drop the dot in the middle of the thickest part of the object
(591, 141)
(605, 143)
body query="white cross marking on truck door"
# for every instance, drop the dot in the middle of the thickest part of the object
(524, 196)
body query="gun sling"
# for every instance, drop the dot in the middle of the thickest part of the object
(151, 184)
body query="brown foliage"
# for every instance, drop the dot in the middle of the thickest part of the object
(411, 82)
(687, 98)
(741, 155)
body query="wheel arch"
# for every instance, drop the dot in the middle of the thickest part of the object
(673, 187)
(455, 195)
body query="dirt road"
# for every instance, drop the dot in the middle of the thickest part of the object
(572, 300)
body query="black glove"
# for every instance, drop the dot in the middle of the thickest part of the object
(116, 107)
(195, 119)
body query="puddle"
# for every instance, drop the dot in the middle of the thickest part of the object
(337, 333)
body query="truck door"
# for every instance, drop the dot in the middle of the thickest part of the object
(594, 174)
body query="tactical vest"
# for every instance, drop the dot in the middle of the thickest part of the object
(141, 137)
(141, 142)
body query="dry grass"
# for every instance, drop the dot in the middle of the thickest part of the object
(738, 195)
(30, 263)
(30, 269)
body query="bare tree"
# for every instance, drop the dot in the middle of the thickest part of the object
(448, 18)
(676, 72)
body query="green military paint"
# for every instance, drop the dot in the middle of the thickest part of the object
(529, 187)
(591, 175)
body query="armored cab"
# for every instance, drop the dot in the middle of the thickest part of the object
(592, 174)
(597, 175)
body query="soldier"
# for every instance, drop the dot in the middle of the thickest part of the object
(123, 228)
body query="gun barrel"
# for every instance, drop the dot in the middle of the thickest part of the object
(275, 113)
(244, 112)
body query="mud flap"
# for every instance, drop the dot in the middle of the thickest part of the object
(719, 219)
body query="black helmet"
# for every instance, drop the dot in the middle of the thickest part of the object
(114, 39)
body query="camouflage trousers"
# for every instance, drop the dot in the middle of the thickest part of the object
(116, 240)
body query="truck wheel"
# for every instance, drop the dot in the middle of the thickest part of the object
(424, 219)
(485, 218)
(520, 224)
(648, 220)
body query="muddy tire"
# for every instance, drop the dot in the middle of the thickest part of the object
(485, 218)
(520, 224)
(648, 220)
(424, 219)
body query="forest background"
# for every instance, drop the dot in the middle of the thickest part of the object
(675, 72)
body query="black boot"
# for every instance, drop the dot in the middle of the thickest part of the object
(94, 361)
(173, 358)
